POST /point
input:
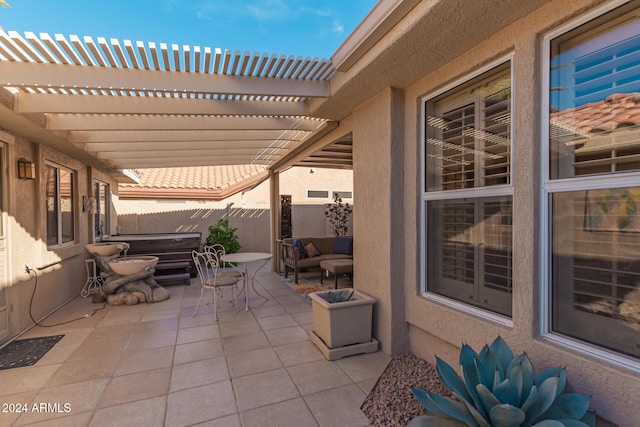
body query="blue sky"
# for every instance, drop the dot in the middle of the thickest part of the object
(293, 27)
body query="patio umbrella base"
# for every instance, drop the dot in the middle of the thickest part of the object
(347, 350)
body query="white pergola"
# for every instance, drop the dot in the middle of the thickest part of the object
(124, 105)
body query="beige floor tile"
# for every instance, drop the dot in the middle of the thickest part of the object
(277, 322)
(149, 412)
(138, 386)
(80, 397)
(268, 311)
(232, 316)
(303, 317)
(199, 373)
(365, 366)
(17, 403)
(143, 341)
(79, 420)
(239, 328)
(241, 343)
(229, 421)
(121, 316)
(157, 325)
(265, 388)
(198, 333)
(198, 350)
(18, 380)
(284, 414)
(287, 335)
(145, 360)
(251, 362)
(200, 404)
(336, 407)
(299, 352)
(318, 376)
(191, 322)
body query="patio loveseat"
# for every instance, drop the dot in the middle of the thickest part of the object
(307, 252)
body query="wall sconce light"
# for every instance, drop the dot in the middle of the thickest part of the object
(26, 169)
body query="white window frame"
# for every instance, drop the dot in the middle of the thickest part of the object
(99, 183)
(479, 192)
(549, 187)
(74, 176)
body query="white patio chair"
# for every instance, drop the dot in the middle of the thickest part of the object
(210, 279)
(215, 252)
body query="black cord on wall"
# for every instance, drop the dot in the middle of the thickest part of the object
(35, 287)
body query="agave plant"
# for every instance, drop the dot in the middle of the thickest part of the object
(499, 390)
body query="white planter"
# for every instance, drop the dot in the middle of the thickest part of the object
(342, 324)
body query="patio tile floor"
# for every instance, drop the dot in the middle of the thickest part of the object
(155, 365)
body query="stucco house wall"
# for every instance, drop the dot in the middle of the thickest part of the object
(388, 152)
(61, 272)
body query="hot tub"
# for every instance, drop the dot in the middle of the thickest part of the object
(168, 247)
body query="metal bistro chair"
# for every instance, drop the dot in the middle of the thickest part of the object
(214, 252)
(209, 278)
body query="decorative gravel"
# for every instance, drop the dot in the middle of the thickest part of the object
(391, 403)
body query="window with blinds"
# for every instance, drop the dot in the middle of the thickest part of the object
(594, 159)
(468, 148)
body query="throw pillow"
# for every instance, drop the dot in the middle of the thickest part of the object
(343, 245)
(311, 250)
(298, 244)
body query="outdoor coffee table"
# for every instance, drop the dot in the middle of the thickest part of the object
(247, 258)
(337, 267)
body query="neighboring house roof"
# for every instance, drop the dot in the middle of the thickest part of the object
(614, 112)
(193, 183)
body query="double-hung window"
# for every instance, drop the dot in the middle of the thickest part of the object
(468, 192)
(102, 194)
(60, 204)
(592, 182)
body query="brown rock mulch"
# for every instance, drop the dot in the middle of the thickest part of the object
(391, 403)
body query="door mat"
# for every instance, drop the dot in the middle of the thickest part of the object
(26, 352)
(308, 284)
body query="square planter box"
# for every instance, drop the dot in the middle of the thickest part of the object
(345, 323)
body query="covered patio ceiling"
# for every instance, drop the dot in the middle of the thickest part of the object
(133, 106)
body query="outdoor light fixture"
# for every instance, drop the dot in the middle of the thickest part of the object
(26, 169)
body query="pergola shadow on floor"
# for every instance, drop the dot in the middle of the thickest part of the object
(156, 365)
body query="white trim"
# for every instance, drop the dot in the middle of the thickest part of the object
(468, 193)
(597, 352)
(470, 76)
(7, 137)
(550, 186)
(477, 192)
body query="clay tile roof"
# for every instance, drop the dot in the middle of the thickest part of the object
(193, 183)
(614, 112)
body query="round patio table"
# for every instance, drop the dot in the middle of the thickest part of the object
(245, 258)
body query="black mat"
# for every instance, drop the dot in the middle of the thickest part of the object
(26, 352)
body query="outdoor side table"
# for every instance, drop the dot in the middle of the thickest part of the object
(337, 267)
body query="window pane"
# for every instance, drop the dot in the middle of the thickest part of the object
(469, 248)
(101, 192)
(596, 267)
(594, 97)
(318, 194)
(66, 205)
(469, 134)
(51, 177)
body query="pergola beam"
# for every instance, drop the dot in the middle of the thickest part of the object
(59, 122)
(47, 75)
(125, 136)
(90, 104)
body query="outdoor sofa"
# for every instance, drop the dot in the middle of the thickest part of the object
(307, 252)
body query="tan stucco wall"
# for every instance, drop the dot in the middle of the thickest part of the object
(61, 273)
(377, 137)
(439, 329)
(389, 214)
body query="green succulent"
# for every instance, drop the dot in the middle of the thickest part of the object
(499, 390)
(337, 296)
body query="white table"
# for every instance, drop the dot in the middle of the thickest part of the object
(245, 258)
